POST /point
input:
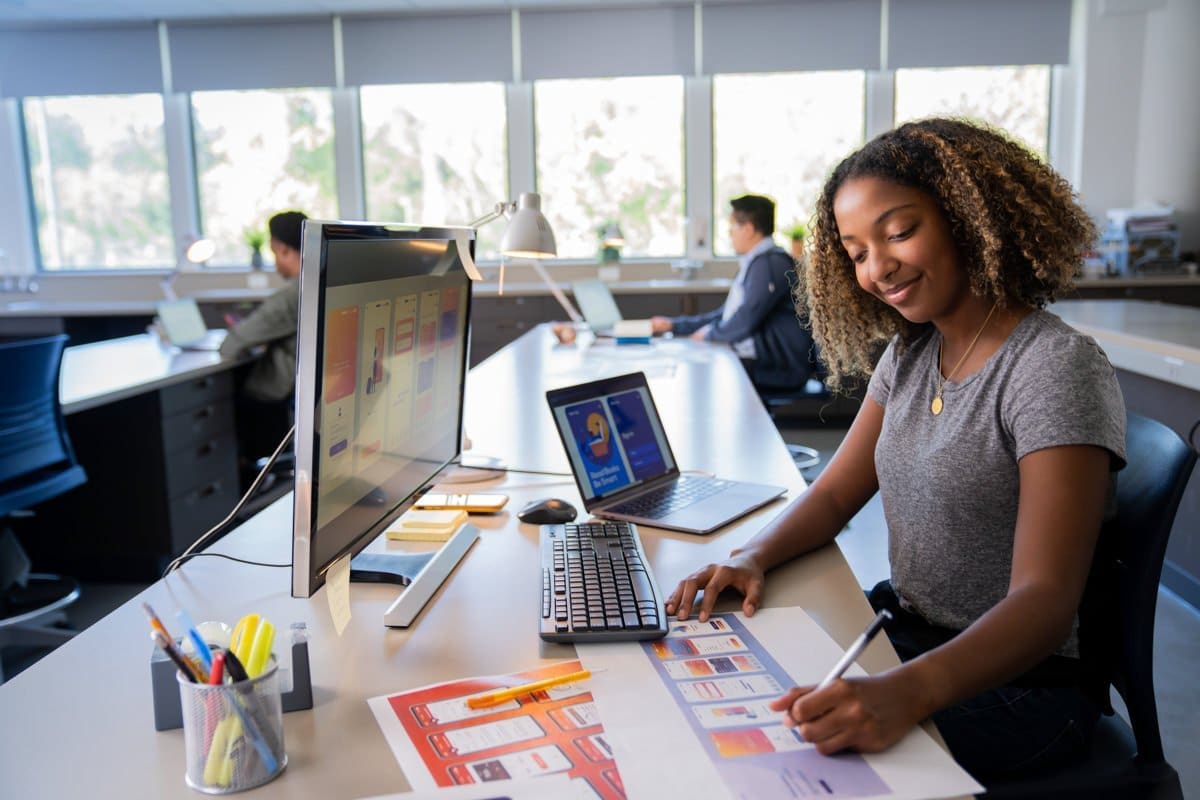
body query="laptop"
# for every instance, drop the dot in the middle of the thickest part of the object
(624, 466)
(600, 311)
(183, 326)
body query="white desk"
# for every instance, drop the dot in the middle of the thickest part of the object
(1158, 340)
(79, 723)
(104, 372)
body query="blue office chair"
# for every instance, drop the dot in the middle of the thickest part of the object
(36, 464)
(1116, 628)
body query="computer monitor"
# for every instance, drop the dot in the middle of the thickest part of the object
(380, 371)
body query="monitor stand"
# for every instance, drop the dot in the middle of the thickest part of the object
(419, 573)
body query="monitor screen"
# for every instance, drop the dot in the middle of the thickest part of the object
(380, 370)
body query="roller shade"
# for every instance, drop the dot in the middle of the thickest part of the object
(422, 49)
(259, 55)
(116, 60)
(793, 36)
(604, 43)
(965, 33)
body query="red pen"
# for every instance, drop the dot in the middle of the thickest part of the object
(217, 673)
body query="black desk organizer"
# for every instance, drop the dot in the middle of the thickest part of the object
(168, 711)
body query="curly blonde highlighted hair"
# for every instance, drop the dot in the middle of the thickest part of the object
(1017, 228)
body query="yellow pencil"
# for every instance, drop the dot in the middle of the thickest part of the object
(504, 695)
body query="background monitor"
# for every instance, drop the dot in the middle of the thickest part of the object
(380, 373)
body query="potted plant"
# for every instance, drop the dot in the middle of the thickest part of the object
(798, 233)
(255, 238)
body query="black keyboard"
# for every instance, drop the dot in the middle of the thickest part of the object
(672, 497)
(597, 586)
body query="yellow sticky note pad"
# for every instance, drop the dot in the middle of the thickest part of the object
(426, 526)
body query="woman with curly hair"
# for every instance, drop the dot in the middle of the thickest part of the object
(991, 429)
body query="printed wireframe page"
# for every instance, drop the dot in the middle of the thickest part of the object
(697, 700)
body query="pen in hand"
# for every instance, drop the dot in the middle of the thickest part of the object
(857, 648)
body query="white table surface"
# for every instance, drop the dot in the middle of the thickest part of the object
(1159, 340)
(79, 723)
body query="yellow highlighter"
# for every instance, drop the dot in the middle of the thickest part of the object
(218, 752)
(260, 650)
(243, 637)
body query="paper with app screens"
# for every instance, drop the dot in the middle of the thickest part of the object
(697, 700)
(683, 716)
(440, 742)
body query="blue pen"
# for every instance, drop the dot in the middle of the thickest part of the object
(202, 651)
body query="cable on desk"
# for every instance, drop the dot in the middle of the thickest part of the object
(235, 558)
(215, 530)
(460, 465)
(1191, 437)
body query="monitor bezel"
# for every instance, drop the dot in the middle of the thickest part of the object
(307, 576)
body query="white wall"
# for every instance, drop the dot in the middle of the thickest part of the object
(1168, 146)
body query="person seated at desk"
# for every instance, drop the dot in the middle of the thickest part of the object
(265, 399)
(758, 317)
(992, 431)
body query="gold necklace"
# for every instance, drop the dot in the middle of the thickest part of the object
(936, 405)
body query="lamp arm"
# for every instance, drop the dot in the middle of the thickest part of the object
(499, 211)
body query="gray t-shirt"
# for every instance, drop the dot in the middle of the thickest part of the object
(950, 483)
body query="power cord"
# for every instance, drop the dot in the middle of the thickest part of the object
(215, 530)
(460, 465)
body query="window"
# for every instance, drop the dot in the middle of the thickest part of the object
(780, 135)
(611, 149)
(258, 153)
(436, 154)
(1016, 99)
(98, 171)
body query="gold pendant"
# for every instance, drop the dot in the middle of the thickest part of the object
(936, 405)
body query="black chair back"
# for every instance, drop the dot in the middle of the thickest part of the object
(1148, 493)
(36, 459)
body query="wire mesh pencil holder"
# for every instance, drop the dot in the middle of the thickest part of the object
(233, 732)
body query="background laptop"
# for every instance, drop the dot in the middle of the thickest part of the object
(624, 466)
(599, 309)
(183, 326)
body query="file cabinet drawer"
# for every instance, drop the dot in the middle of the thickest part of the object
(196, 392)
(201, 462)
(197, 425)
(197, 510)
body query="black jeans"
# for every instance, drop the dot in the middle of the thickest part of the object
(1041, 720)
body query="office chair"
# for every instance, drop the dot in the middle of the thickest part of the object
(36, 464)
(1116, 628)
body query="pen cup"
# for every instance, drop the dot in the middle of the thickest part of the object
(233, 733)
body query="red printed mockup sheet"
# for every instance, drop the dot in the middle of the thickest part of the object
(439, 741)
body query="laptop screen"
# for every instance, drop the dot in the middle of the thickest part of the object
(612, 434)
(181, 321)
(596, 303)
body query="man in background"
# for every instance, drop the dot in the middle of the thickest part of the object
(264, 406)
(758, 318)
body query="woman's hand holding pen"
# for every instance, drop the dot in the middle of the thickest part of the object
(740, 571)
(863, 714)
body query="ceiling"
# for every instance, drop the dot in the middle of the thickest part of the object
(44, 11)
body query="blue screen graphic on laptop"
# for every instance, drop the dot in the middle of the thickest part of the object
(614, 441)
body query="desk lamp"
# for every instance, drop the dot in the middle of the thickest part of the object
(198, 251)
(530, 236)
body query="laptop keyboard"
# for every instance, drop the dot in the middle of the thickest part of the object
(597, 586)
(660, 502)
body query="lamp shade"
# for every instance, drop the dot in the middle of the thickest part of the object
(200, 250)
(613, 236)
(529, 234)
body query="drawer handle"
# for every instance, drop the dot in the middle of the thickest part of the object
(206, 449)
(211, 489)
(204, 413)
(203, 383)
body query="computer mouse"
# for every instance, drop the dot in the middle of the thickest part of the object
(549, 511)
